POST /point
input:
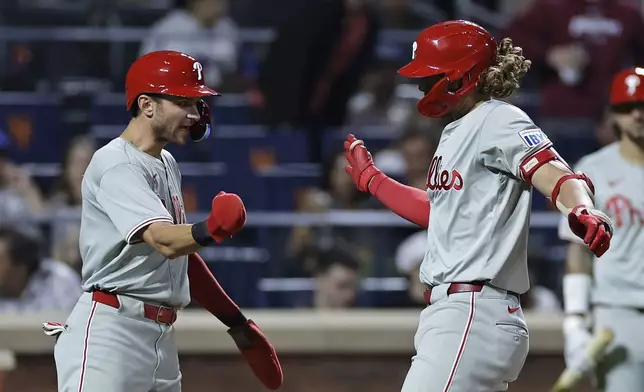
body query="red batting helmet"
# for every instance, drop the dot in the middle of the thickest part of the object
(627, 87)
(456, 50)
(170, 73)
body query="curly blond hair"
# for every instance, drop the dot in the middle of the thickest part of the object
(504, 78)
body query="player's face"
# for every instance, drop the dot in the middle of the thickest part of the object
(425, 85)
(630, 120)
(173, 118)
(428, 83)
(338, 287)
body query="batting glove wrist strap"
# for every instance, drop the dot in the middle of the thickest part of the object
(595, 213)
(375, 181)
(576, 293)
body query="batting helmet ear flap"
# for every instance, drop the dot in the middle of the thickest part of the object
(201, 130)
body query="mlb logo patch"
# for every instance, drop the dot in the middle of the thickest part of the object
(533, 137)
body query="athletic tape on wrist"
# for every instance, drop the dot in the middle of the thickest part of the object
(576, 293)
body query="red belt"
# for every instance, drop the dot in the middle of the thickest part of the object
(160, 314)
(456, 288)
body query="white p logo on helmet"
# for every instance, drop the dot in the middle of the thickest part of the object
(632, 83)
(414, 48)
(197, 67)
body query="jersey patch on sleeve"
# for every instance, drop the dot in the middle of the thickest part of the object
(533, 137)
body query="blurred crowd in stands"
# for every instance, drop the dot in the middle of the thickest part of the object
(306, 72)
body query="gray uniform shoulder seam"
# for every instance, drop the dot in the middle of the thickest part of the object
(129, 162)
(112, 167)
(497, 206)
(478, 138)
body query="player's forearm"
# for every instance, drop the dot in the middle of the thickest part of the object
(579, 260)
(170, 240)
(572, 193)
(407, 202)
(577, 281)
(205, 289)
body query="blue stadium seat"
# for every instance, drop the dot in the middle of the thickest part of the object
(237, 143)
(207, 186)
(239, 279)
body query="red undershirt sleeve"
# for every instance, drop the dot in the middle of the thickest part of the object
(405, 201)
(205, 289)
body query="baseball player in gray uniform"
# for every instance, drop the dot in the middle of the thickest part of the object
(140, 264)
(472, 336)
(613, 288)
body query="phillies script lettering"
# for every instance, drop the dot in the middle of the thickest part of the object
(438, 179)
(623, 211)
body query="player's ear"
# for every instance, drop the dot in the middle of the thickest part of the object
(146, 105)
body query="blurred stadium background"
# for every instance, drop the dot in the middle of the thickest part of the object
(326, 271)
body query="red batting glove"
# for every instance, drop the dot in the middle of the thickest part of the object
(227, 216)
(259, 354)
(593, 226)
(363, 172)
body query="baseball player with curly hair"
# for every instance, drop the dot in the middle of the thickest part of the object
(140, 261)
(609, 294)
(472, 336)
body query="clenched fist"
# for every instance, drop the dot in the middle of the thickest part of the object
(593, 226)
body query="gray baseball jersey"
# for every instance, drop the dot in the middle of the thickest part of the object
(619, 274)
(480, 205)
(125, 190)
